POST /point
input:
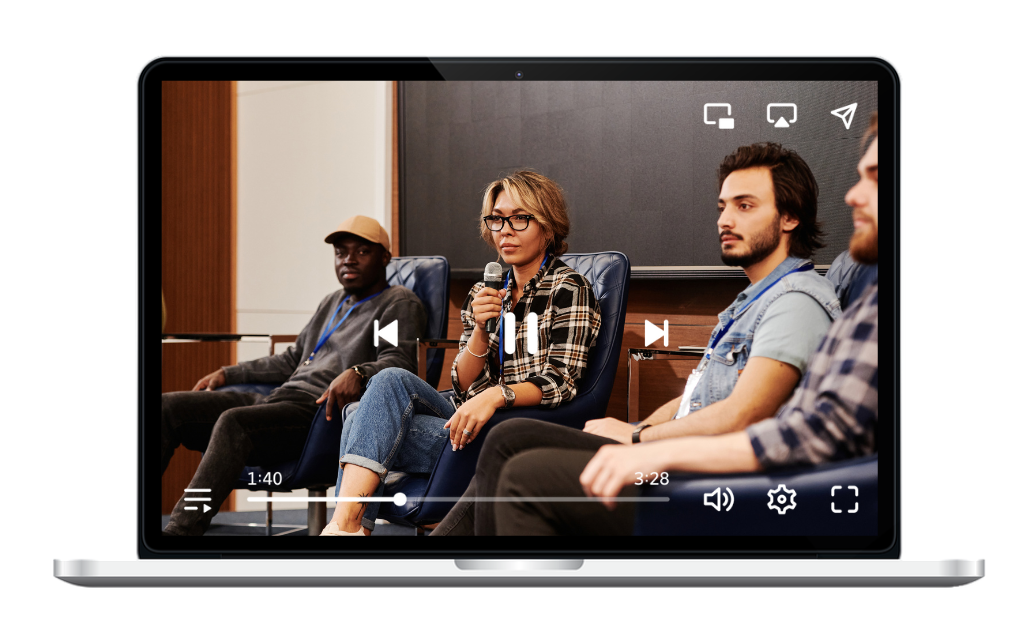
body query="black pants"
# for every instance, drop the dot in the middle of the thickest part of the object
(234, 430)
(533, 458)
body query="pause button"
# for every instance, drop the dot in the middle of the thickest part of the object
(510, 333)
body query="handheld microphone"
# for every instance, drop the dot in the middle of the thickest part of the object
(492, 279)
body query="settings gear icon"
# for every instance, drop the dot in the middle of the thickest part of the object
(782, 499)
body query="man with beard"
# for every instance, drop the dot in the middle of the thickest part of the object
(832, 415)
(767, 225)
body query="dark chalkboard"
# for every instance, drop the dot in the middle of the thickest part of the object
(636, 159)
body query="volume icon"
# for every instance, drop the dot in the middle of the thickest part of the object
(721, 499)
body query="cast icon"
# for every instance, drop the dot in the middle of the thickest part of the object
(780, 121)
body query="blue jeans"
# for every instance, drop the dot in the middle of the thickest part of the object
(398, 426)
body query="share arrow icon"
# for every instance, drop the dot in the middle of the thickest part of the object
(846, 114)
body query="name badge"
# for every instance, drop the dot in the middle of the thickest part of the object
(691, 384)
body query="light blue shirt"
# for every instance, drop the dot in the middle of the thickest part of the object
(792, 331)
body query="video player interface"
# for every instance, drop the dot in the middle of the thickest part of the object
(436, 310)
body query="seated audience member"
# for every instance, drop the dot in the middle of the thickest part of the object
(833, 415)
(331, 361)
(767, 225)
(850, 278)
(402, 423)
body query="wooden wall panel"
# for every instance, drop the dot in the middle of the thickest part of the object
(396, 245)
(690, 306)
(197, 241)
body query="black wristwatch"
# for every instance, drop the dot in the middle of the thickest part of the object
(636, 432)
(359, 372)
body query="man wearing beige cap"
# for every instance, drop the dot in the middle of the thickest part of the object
(330, 363)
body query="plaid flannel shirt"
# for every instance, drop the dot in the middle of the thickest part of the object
(834, 411)
(568, 320)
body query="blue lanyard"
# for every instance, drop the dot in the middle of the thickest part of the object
(728, 325)
(501, 321)
(331, 329)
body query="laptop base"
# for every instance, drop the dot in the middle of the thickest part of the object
(519, 573)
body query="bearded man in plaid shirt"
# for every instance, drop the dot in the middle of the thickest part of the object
(832, 415)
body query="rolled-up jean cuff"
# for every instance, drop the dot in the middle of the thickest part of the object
(368, 524)
(366, 463)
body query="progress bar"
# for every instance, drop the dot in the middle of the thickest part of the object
(400, 499)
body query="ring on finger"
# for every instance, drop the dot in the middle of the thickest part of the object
(467, 431)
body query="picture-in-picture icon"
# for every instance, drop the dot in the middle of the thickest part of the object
(780, 120)
(723, 123)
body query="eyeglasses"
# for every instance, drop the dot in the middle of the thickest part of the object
(516, 222)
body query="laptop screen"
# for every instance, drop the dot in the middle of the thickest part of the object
(516, 308)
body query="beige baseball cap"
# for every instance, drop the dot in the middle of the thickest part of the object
(364, 228)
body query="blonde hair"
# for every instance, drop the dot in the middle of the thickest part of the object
(540, 197)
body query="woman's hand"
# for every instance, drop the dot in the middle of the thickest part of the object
(615, 466)
(486, 305)
(470, 418)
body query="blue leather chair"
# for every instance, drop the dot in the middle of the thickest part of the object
(316, 468)
(608, 274)
(850, 278)
(826, 503)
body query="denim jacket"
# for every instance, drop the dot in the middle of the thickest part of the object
(730, 355)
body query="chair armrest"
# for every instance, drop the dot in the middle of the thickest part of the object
(271, 338)
(421, 353)
(665, 354)
(171, 338)
(633, 376)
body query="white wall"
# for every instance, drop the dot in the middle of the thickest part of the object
(310, 154)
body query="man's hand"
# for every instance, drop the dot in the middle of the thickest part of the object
(211, 381)
(472, 416)
(344, 389)
(611, 428)
(615, 467)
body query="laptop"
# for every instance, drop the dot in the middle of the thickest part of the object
(245, 166)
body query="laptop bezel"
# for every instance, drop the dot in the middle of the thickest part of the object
(152, 545)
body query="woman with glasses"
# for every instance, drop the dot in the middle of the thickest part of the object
(402, 423)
